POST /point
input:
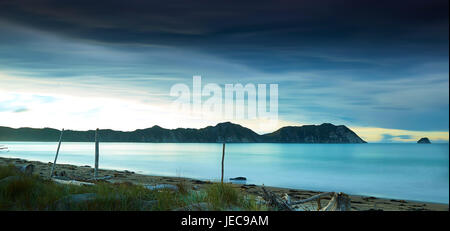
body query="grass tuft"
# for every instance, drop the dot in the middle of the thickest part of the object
(183, 187)
(222, 195)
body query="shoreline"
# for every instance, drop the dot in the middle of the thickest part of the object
(85, 173)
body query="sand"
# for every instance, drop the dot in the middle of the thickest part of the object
(358, 203)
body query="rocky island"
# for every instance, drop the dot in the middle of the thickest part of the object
(424, 140)
(222, 132)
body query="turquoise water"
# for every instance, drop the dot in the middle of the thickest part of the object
(402, 171)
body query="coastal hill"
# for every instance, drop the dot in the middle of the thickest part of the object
(222, 132)
(324, 133)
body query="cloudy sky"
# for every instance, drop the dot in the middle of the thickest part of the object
(379, 67)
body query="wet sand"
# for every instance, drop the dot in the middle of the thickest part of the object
(85, 173)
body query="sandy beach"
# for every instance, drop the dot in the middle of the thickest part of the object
(85, 173)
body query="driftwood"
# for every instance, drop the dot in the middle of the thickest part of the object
(316, 197)
(72, 182)
(103, 178)
(275, 201)
(339, 201)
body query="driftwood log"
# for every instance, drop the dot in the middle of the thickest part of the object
(275, 201)
(339, 201)
(72, 182)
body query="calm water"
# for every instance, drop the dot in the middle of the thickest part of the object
(403, 171)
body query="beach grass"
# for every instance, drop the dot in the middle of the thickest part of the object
(23, 192)
(223, 196)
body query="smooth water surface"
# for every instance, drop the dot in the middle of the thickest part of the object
(403, 171)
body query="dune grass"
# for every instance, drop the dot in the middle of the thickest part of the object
(22, 192)
(223, 196)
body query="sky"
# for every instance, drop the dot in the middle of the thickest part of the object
(378, 67)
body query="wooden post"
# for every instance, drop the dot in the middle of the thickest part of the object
(57, 151)
(223, 157)
(96, 155)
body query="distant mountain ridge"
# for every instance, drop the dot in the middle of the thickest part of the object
(222, 132)
(324, 133)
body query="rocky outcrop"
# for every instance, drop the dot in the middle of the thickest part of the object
(223, 132)
(424, 140)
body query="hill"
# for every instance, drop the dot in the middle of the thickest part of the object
(222, 132)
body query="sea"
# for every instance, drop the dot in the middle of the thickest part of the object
(408, 171)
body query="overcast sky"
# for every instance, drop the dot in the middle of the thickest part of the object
(379, 67)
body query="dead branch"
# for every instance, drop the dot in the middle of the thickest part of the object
(339, 201)
(275, 201)
(316, 197)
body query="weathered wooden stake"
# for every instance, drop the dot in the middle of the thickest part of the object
(57, 151)
(223, 158)
(96, 154)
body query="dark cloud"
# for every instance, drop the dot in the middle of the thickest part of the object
(342, 60)
(248, 25)
(274, 36)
